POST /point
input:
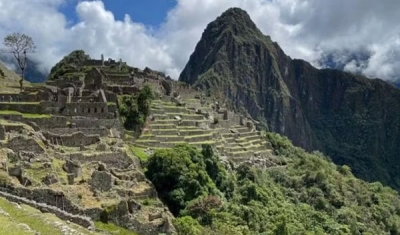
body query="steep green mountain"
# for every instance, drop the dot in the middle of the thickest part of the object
(353, 119)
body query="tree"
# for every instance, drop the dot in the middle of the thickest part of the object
(19, 45)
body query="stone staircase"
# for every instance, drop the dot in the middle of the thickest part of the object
(171, 125)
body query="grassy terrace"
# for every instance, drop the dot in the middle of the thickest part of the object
(24, 115)
(139, 152)
(113, 229)
(184, 114)
(43, 223)
(17, 103)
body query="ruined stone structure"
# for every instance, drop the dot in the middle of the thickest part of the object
(66, 136)
(59, 134)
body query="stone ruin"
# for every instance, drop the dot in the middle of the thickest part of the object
(74, 136)
(65, 137)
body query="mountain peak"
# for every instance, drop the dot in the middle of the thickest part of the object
(235, 12)
(234, 18)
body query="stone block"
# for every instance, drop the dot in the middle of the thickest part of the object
(72, 168)
(225, 115)
(70, 178)
(2, 133)
(50, 179)
(101, 147)
(16, 171)
(133, 206)
(101, 181)
(242, 120)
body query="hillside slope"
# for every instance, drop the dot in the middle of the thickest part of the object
(9, 80)
(352, 119)
(306, 194)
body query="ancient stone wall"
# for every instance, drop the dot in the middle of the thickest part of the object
(86, 99)
(111, 97)
(93, 63)
(44, 123)
(62, 99)
(50, 107)
(123, 89)
(92, 122)
(138, 80)
(65, 82)
(13, 128)
(110, 62)
(101, 131)
(112, 108)
(22, 107)
(94, 79)
(121, 80)
(94, 109)
(187, 93)
(73, 140)
(21, 143)
(21, 97)
(112, 159)
(113, 72)
(64, 215)
(2, 133)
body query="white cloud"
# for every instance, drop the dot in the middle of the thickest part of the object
(307, 29)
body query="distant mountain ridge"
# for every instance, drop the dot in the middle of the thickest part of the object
(353, 119)
(32, 73)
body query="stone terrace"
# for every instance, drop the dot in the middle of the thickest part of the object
(195, 124)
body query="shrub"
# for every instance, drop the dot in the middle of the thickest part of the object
(187, 226)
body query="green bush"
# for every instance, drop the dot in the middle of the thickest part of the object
(179, 176)
(188, 226)
(134, 109)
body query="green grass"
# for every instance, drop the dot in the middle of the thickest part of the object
(35, 115)
(146, 141)
(184, 114)
(33, 218)
(139, 152)
(197, 136)
(113, 229)
(24, 115)
(18, 103)
(9, 227)
(38, 84)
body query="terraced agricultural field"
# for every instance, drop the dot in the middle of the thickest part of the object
(171, 125)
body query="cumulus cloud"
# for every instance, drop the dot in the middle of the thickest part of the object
(360, 36)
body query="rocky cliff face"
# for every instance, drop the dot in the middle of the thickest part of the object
(353, 119)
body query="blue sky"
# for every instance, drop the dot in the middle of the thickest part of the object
(149, 12)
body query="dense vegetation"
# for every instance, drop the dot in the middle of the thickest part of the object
(308, 195)
(134, 109)
(73, 64)
(68, 63)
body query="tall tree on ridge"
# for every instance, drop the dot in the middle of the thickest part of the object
(19, 45)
